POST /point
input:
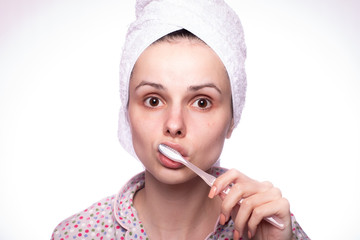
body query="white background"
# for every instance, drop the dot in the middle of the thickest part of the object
(59, 103)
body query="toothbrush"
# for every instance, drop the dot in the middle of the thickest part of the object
(209, 179)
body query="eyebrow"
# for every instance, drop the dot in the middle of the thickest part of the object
(151, 84)
(207, 85)
(191, 88)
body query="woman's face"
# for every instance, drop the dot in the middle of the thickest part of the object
(179, 95)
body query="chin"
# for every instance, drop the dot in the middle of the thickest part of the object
(173, 176)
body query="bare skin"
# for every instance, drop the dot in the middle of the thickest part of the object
(179, 94)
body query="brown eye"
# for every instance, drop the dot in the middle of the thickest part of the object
(202, 103)
(153, 102)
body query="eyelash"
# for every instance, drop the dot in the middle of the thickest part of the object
(207, 101)
(147, 102)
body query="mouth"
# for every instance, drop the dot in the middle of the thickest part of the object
(167, 162)
(177, 147)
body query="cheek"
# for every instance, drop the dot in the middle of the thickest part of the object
(215, 133)
(139, 134)
(216, 126)
(211, 124)
(210, 136)
(144, 127)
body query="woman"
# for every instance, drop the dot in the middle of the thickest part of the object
(183, 84)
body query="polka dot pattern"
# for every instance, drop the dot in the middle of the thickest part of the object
(115, 218)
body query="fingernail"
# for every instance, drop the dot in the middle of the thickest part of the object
(222, 219)
(249, 235)
(212, 192)
(236, 235)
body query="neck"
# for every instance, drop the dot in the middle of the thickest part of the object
(195, 213)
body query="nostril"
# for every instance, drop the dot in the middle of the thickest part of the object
(174, 133)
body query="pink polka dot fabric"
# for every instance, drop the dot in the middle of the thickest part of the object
(115, 218)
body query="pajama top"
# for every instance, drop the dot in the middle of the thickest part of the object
(115, 218)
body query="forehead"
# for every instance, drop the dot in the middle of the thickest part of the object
(188, 59)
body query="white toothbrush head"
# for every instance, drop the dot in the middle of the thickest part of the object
(171, 153)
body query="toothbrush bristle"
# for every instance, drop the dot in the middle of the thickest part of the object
(170, 153)
(171, 149)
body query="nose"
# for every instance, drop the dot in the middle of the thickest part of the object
(174, 125)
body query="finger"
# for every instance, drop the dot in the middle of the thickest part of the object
(231, 200)
(229, 177)
(240, 191)
(236, 235)
(234, 176)
(267, 184)
(249, 204)
(279, 208)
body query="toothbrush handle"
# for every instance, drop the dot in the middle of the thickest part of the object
(272, 219)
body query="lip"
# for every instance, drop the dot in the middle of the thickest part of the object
(177, 147)
(167, 162)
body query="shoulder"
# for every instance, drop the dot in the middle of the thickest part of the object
(100, 220)
(298, 232)
(217, 170)
(95, 221)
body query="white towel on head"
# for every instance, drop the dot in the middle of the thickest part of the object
(213, 21)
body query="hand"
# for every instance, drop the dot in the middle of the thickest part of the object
(259, 200)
